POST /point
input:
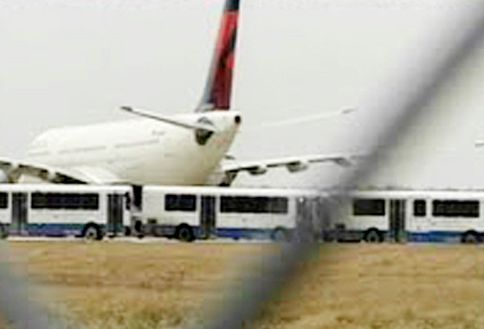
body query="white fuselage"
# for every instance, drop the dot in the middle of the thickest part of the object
(139, 151)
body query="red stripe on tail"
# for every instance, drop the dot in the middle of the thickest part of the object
(218, 90)
(222, 83)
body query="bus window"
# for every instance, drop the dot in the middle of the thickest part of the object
(279, 205)
(419, 208)
(369, 207)
(71, 201)
(455, 208)
(3, 200)
(180, 202)
(255, 205)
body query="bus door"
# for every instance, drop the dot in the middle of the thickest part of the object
(115, 214)
(19, 214)
(207, 216)
(397, 228)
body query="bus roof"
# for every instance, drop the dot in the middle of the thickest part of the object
(231, 190)
(63, 188)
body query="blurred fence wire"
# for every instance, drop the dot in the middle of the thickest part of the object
(18, 310)
(243, 306)
(397, 113)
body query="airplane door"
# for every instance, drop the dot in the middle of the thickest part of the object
(397, 216)
(115, 214)
(19, 214)
(207, 217)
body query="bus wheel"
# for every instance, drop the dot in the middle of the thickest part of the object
(3, 231)
(280, 235)
(184, 233)
(373, 236)
(471, 238)
(92, 232)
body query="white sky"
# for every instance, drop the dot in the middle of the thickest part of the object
(75, 62)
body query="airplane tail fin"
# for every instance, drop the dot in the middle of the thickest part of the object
(218, 89)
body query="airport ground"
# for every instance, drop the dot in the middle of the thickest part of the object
(168, 285)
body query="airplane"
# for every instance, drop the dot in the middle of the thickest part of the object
(183, 149)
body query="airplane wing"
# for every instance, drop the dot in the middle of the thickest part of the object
(96, 175)
(14, 169)
(293, 164)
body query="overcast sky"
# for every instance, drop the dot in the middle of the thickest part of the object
(75, 62)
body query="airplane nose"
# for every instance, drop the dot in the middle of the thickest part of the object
(238, 119)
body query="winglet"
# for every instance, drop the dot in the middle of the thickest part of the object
(218, 89)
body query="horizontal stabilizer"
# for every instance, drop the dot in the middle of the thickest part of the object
(171, 121)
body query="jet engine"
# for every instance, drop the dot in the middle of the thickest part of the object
(257, 170)
(297, 166)
(203, 135)
(3, 177)
(48, 175)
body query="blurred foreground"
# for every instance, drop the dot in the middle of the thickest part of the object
(137, 286)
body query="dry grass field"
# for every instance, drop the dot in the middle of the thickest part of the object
(137, 286)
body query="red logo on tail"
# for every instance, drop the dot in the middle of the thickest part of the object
(225, 62)
(219, 85)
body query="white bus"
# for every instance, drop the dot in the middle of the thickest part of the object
(415, 216)
(64, 210)
(189, 213)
